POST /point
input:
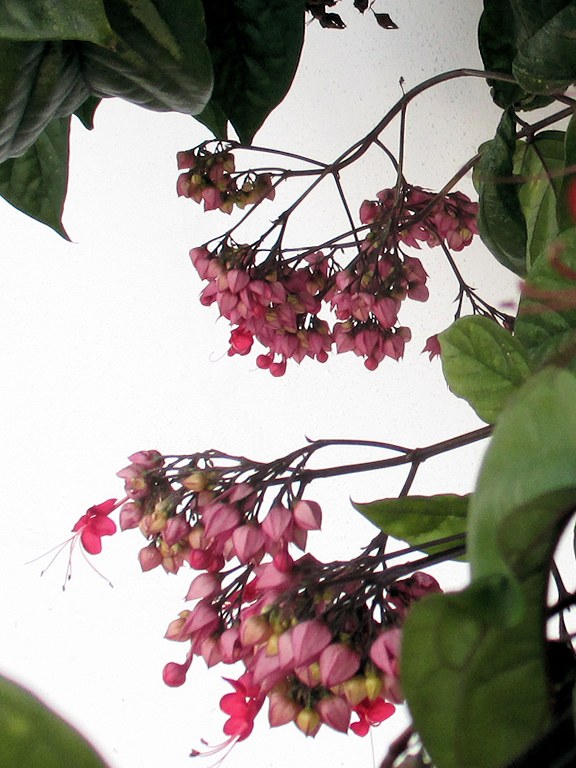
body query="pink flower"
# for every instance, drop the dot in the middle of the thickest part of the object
(338, 663)
(130, 515)
(95, 524)
(385, 651)
(147, 459)
(335, 712)
(282, 709)
(309, 639)
(307, 515)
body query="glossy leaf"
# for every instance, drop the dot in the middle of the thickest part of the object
(159, 58)
(214, 118)
(482, 363)
(86, 111)
(546, 61)
(500, 219)
(255, 47)
(40, 82)
(418, 519)
(504, 26)
(540, 164)
(546, 321)
(474, 663)
(32, 736)
(36, 182)
(55, 20)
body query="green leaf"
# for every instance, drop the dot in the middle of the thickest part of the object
(540, 163)
(40, 82)
(482, 363)
(444, 638)
(418, 519)
(214, 118)
(500, 218)
(546, 61)
(32, 736)
(55, 20)
(474, 663)
(546, 321)
(36, 182)
(86, 111)
(504, 25)
(255, 47)
(159, 58)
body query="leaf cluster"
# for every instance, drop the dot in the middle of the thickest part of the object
(226, 62)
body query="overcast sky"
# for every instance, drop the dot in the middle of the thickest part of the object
(108, 351)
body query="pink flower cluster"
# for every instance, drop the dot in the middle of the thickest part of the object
(319, 642)
(278, 303)
(209, 179)
(450, 219)
(280, 306)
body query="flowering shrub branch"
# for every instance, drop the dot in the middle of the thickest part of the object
(341, 643)
(319, 641)
(279, 293)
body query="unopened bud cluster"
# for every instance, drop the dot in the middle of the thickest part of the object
(209, 178)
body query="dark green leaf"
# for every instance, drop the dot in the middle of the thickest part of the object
(500, 218)
(482, 363)
(55, 20)
(214, 118)
(32, 736)
(546, 321)
(36, 182)
(418, 519)
(86, 110)
(255, 47)
(474, 663)
(504, 25)
(40, 82)
(546, 61)
(540, 164)
(159, 59)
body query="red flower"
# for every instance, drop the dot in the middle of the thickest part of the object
(242, 706)
(371, 713)
(95, 524)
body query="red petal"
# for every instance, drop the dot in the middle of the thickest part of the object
(103, 509)
(91, 542)
(233, 704)
(379, 711)
(360, 728)
(102, 526)
(84, 520)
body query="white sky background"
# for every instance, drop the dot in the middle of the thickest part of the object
(107, 351)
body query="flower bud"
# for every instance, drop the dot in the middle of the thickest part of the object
(174, 674)
(150, 557)
(308, 515)
(195, 481)
(308, 721)
(335, 711)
